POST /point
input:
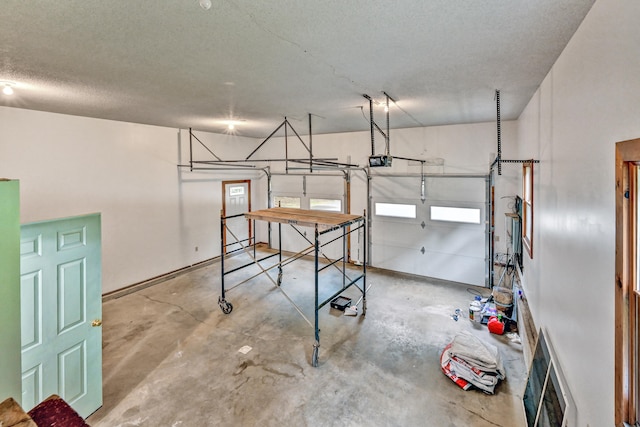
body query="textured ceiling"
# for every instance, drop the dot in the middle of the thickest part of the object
(172, 63)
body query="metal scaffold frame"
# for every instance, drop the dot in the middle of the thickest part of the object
(322, 223)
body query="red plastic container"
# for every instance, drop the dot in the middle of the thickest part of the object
(495, 326)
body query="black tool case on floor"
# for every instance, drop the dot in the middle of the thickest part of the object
(340, 303)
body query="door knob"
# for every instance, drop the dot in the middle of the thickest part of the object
(96, 323)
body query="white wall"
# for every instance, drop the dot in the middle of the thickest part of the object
(587, 103)
(464, 149)
(153, 217)
(155, 214)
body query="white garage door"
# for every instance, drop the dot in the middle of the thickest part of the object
(320, 192)
(444, 237)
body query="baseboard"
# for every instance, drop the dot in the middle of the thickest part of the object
(526, 326)
(119, 293)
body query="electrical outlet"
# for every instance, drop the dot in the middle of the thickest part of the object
(196, 249)
(496, 238)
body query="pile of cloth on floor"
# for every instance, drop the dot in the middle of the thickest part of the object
(471, 362)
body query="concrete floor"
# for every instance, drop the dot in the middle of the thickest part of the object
(171, 357)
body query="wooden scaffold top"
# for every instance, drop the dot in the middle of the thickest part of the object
(303, 217)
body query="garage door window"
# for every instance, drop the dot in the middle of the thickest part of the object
(332, 205)
(452, 214)
(286, 202)
(396, 210)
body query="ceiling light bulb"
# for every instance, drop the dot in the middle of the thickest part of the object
(7, 89)
(232, 126)
(205, 4)
(386, 108)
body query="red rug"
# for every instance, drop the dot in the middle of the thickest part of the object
(55, 412)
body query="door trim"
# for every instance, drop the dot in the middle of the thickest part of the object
(625, 372)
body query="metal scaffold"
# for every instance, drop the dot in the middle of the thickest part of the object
(322, 223)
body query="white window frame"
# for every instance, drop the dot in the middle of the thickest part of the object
(527, 207)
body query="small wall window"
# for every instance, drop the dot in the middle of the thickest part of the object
(332, 205)
(396, 210)
(527, 207)
(286, 202)
(451, 214)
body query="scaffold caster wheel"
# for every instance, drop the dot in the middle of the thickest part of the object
(279, 276)
(364, 307)
(314, 356)
(225, 306)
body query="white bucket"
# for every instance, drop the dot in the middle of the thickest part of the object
(475, 313)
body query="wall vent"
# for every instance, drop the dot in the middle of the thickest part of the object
(546, 399)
